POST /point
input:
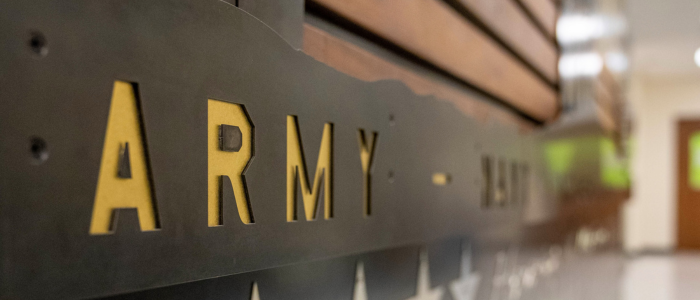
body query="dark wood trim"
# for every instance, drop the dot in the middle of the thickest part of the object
(357, 62)
(475, 61)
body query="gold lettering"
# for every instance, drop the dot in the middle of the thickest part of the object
(296, 169)
(441, 179)
(124, 177)
(367, 158)
(230, 144)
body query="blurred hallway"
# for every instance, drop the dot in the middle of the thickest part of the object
(662, 91)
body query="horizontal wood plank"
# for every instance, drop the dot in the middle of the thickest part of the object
(605, 108)
(430, 29)
(512, 25)
(360, 63)
(607, 92)
(546, 13)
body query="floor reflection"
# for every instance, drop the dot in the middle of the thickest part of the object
(662, 277)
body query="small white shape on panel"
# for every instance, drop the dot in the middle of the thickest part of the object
(360, 292)
(466, 286)
(423, 291)
(254, 294)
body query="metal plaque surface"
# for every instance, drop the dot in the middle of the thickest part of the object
(157, 71)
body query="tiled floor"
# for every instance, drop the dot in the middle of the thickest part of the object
(672, 277)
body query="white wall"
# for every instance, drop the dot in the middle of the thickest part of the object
(657, 105)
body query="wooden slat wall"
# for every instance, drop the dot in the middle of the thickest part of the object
(545, 12)
(512, 24)
(432, 30)
(359, 63)
(607, 93)
(605, 108)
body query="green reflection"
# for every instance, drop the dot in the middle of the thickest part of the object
(694, 161)
(560, 156)
(613, 170)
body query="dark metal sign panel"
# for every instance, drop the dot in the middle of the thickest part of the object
(151, 143)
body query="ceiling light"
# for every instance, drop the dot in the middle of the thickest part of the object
(697, 57)
(577, 28)
(616, 61)
(585, 64)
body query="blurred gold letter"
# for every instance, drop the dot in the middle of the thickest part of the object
(367, 157)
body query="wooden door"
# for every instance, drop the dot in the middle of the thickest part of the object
(689, 184)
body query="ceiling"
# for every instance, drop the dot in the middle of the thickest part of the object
(664, 36)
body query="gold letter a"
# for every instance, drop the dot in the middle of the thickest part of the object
(124, 178)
